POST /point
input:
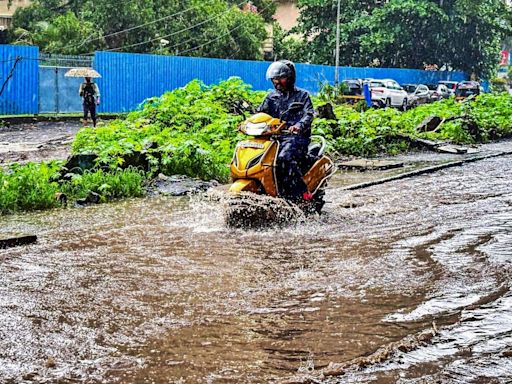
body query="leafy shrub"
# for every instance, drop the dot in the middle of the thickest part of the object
(109, 185)
(374, 131)
(192, 131)
(28, 187)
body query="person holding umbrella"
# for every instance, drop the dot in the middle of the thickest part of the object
(90, 94)
(89, 91)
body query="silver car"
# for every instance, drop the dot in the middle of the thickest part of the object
(417, 94)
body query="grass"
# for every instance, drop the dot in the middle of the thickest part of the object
(28, 187)
(116, 184)
(32, 186)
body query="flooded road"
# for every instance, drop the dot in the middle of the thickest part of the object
(160, 291)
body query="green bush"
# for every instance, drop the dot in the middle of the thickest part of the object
(109, 185)
(192, 131)
(28, 187)
(488, 117)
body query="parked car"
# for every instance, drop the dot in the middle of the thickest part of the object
(467, 88)
(352, 87)
(451, 85)
(388, 93)
(438, 92)
(417, 94)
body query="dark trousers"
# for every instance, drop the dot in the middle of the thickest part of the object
(292, 152)
(90, 108)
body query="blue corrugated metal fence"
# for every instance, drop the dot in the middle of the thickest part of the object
(20, 95)
(58, 94)
(129, 79)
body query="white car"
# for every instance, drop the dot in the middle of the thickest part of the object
(388, 93)
(451, 85)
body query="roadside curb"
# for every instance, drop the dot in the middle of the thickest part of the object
(58, 118)
(423, 171)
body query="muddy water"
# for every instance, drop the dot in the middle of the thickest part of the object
(159, 291)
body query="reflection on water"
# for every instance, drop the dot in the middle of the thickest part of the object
(159, 290)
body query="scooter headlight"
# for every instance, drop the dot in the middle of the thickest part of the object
(255, 129)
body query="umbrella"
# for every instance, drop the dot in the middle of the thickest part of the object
(82, 72)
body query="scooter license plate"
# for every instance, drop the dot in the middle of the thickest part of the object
(251, 144)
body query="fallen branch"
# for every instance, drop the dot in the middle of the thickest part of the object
(17, 241)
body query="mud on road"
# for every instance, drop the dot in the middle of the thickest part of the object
(41, 141)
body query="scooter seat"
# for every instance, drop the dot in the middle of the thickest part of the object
(314, 149)
(312, 156)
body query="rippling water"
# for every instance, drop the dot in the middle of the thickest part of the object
(160, 291)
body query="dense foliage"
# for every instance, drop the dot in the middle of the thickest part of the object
(463, 35)
(34, 186)
(217, 28)
(374, 131)
(27, 187)
(190, 131)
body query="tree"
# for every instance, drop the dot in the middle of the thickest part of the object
(402, 34)
(286, 45)
(478, 28)
(63, 35)
(190, 27)
(458, 34)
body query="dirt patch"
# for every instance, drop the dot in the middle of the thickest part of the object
(37, 141)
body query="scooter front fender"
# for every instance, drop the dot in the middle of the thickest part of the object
(244, 185)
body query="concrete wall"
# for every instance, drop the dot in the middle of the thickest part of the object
(287, 14)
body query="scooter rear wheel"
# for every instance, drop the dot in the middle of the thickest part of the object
(318, 201)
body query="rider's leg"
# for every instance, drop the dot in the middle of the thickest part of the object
(292, 152)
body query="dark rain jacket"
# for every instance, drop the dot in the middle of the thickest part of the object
(276, 103)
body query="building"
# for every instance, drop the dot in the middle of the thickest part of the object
(7, 11)
(287, 14)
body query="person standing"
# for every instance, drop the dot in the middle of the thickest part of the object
(90, 94)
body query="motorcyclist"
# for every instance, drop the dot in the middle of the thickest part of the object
(293, 147)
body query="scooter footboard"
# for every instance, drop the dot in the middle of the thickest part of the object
(320, 172)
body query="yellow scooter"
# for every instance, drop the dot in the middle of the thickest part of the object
(253, 168)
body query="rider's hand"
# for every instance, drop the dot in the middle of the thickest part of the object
(294, 129)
